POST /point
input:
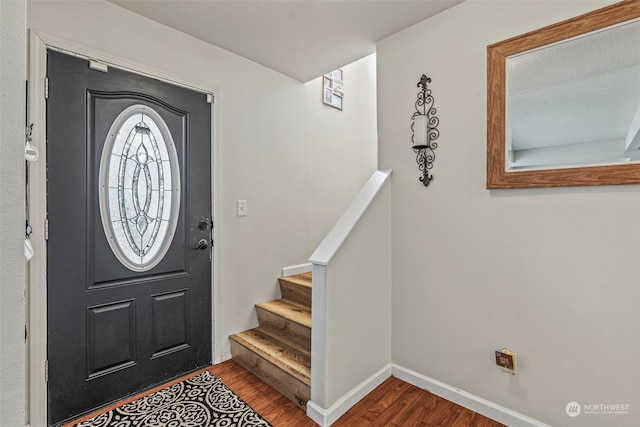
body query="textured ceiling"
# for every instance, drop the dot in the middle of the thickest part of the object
(302, 39)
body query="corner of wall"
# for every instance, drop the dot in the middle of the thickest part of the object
(12, 184)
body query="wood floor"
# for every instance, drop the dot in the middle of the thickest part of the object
(393, 404)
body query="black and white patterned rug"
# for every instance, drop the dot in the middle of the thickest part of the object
(200, 401)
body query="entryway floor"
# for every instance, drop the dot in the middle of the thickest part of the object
(394, 402)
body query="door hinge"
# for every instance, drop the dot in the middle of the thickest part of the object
(46, 229)
(46, 371)
(210, 98)
(46, 88)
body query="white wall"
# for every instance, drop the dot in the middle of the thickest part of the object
(276, 148)
(12, 122)
(552, 274)
(340, 144)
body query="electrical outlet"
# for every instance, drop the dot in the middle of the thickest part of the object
(506, 360)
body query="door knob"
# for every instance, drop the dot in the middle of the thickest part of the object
(202, 244)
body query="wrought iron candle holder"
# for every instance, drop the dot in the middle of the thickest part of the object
(425, 130)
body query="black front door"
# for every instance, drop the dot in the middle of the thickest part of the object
(129, 214)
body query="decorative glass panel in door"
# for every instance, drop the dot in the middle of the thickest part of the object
(139, 187)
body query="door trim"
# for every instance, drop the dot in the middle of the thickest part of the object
(36, 269)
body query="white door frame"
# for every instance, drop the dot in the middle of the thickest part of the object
(36, 281)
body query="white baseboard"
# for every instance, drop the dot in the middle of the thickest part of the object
(317, 414)
(296, 269)
(326, 417)
(219, 356)
(476, 404)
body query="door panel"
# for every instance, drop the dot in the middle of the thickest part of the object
(116, 327)
(169, 322)
(111, 337)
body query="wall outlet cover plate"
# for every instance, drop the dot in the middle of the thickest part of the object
(506, 360)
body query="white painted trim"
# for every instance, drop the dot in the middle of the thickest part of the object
(73, 48)
(326, 417)
(317, 414)
(319, 374)
(226, 355)
(37, 299)
(465, 399)
(296, 269)
(216, 293)
(332, 242)
(37, 267)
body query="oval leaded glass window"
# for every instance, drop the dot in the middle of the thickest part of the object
(139, 188)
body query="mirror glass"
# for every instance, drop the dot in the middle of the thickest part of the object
(563, 103)
(575, 102)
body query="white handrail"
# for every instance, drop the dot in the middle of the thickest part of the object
(334, 239)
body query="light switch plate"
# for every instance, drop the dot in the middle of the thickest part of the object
(242, 208)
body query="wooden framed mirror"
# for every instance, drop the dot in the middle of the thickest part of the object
(563, 103)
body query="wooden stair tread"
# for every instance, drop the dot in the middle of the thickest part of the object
(303, 279)
(290, 359)
(279, 350)
(289, 310)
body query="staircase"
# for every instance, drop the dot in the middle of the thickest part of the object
(279, 350)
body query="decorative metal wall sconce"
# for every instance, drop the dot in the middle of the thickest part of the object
(425, 130)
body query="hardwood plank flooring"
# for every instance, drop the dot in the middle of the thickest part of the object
(273, 406)
(393, 404)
